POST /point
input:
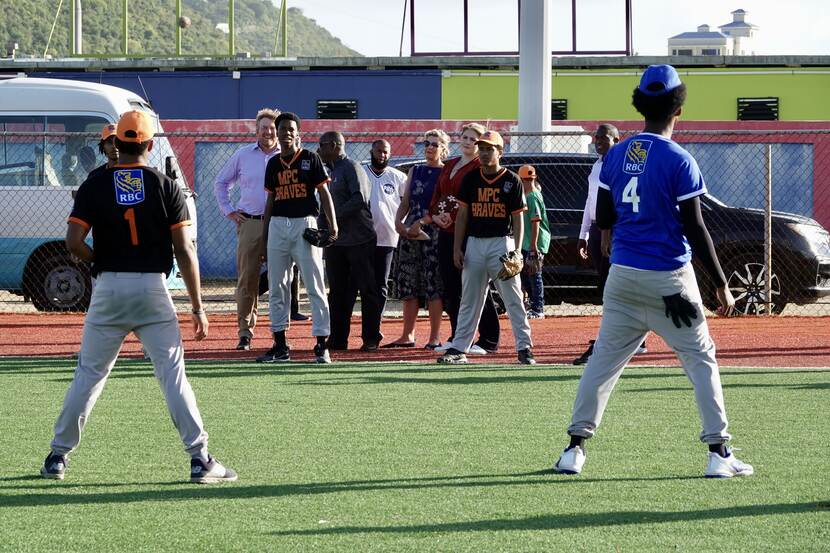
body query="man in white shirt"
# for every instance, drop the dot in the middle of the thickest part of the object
(388, 186)
(605, 138)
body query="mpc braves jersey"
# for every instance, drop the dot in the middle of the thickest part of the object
(647, 176)
(132, 211)
(491, 202)
(294, 183)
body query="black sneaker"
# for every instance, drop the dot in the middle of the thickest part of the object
(526, 357)
(582, 359)
(211, 472)
(453, 357)
(276, 354)
(54, 466)
(244, 344)
(321, 354)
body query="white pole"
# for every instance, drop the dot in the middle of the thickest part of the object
(79, 28)
(768, 230)
(534, 74)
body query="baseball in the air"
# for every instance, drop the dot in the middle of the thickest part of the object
(184, 22)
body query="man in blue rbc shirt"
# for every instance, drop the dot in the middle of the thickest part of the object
(649, 194)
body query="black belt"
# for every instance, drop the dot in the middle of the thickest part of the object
(249, 216)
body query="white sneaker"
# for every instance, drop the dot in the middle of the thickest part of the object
(571, 461)
(641, 350)
(477, 350)
(726, 467)
(443, 347)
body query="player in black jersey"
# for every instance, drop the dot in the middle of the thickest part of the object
(138, 219)
(292, 179)
(491, 201)
(107, 147)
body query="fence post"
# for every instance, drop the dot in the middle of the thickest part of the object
(768, 230)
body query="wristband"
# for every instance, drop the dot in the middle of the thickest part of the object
(198, 311)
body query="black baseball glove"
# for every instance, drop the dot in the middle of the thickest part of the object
(680, 309)
(533, 264)
(318, 237)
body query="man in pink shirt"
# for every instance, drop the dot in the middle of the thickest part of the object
(246, 169)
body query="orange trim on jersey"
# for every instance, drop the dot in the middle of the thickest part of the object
(322, 184)
(80, 222)
(494, 179)
(535, 219)
(129, 165)
(181, 224)
(519, 210)
(459, 202)
(293, 159)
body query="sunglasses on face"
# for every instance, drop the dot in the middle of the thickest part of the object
(428, 143)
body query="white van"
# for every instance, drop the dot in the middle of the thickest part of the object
(44, 157)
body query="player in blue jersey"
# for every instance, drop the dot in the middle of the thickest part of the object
(649, 195)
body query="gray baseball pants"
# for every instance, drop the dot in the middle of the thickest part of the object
(287, 246)
(123, 303)
(632, 306)
(481, 265)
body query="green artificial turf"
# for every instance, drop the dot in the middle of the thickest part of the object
(405, 457)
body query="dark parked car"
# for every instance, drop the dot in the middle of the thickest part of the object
(800, 245)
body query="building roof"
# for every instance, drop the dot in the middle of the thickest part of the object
(738, 25)
(697, 34)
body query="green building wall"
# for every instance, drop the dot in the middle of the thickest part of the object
(804, 94)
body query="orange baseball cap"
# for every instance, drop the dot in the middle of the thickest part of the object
(491, 137)
(107, 131)
(135, 126)
(527, 172)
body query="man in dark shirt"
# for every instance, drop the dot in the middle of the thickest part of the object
(107, 147)
(350, 262)
(292, 179)
(490, 206)
(138, 219)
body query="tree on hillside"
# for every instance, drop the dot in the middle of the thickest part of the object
(152, 28)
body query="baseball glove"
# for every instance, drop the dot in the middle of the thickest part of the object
(511, 265)
(318, 237)
(533, 266)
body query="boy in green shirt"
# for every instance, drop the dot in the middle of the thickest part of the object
(536, 242)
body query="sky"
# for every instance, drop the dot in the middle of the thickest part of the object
(373, 27)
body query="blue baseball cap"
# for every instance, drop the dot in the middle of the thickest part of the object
(654, 75)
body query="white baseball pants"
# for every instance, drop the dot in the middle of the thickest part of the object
(632, 306)
(481, 265)
(123, 303)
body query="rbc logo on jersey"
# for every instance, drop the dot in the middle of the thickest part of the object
(129, 186)
(388, 188)
(636, 156)
(305, 165)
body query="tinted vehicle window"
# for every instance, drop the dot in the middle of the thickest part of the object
(564, 179)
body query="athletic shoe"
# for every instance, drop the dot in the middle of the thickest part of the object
(641, 349)
(321, 354)
(54, 466)
(453, 357)
(275, 355)
(535, 315)
(526, 357)
(369, 347)
(299, 317)
(441, 348)
(244, 344)
(475, 349)
(211, 472)
(582, 359)
(726, 467)
(571, 461)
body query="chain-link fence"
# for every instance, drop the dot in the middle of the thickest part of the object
(767, 211)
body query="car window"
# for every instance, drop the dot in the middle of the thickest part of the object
(564, 181)
(48, 160)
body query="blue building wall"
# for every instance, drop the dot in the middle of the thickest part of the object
(217, 95)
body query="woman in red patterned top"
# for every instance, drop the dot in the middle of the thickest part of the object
(442, 212)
